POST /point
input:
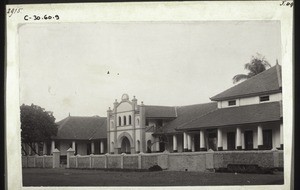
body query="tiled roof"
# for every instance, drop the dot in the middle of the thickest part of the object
(257, 113)
(82, 128)
(263, 83)
(186, 114)
(160, 111)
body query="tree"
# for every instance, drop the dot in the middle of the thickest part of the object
(37, 125)
(256, 65)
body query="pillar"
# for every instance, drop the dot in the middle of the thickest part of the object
(52, 146)
(238, 141)
(157, 145)
(56, 158)
(202, 141)
(92, 148)
(73, 145)
(243, 140)
(185, 146)
(220, 139)
(36, 148)
(175, 143)
(70, 152)
(281, 136)
(259, 138)
(189, 142)
(101, 147)
(44, 148)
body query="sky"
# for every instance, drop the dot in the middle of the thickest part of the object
(64, 66)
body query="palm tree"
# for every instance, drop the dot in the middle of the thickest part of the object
(256, 65)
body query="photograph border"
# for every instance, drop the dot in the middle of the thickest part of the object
(142, 11)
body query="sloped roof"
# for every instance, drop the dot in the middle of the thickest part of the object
(257, 113)
(186, 114)
(82, 128)
(160, 111)
(263, 83)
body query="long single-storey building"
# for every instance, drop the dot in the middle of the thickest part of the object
(247, 116)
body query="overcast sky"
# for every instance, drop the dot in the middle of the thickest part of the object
(63, 67)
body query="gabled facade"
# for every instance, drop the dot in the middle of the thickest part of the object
(130, 126)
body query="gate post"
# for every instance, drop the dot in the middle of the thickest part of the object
(70, 152)
(140, 160)
(56, 158)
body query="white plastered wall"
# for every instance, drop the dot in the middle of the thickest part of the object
(250, 100)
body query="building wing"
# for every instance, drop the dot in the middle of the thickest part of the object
(268, 81)
(82, 128)
(257, 113)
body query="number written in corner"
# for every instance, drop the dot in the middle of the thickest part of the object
(38, 17)
(11, 11)
(285, 3)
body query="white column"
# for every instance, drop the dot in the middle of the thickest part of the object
(44, 148)
(189, 142)
(157, 145)
(185, 147)
(281, 136)
(36, 147)
(202, 140)
(220, 139)
(238, 141)
(243, 140)
(52, 146)
(92, 148)
(259, 137)
(73, 145)
(175, 143)
(101, 147)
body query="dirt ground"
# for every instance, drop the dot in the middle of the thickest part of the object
(76, 177)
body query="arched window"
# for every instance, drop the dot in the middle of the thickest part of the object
(124, 119)
(138, 121)
(129, 118)
(119, 121)
(112, 124)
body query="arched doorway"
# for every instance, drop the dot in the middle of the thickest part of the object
(125, 146)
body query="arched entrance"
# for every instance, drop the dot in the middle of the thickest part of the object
(125, 146)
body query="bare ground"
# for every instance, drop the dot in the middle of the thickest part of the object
(77, 177)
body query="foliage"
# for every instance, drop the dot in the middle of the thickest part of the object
(37, 124)
(256, 65)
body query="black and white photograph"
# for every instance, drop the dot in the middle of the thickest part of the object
(149, 102)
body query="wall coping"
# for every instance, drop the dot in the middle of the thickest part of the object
(179, 153)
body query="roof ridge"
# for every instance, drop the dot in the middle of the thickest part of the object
(159, 106)
(197, 104)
